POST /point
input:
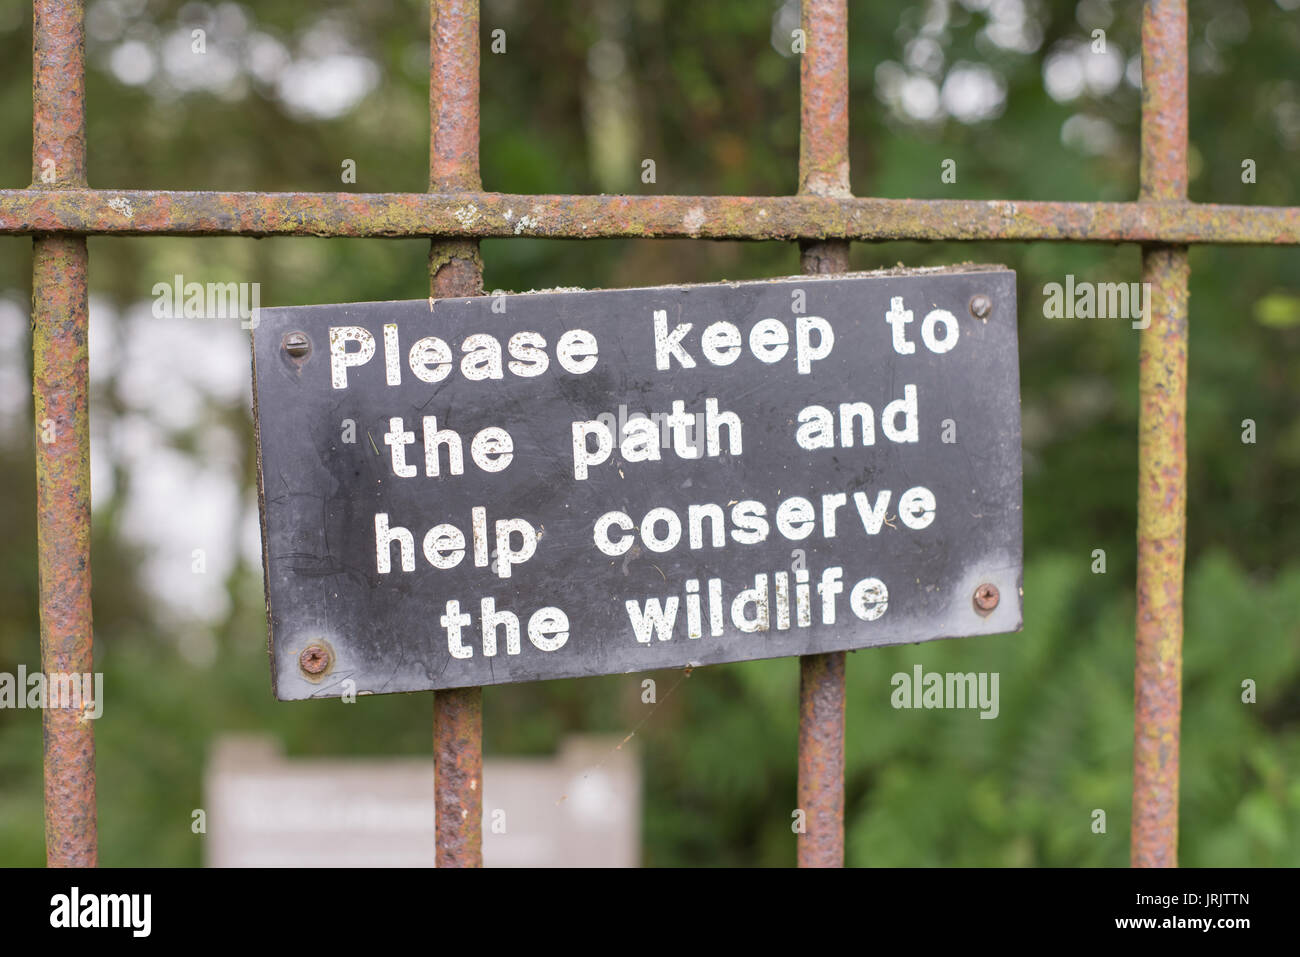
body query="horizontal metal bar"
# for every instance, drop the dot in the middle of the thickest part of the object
(486, 215)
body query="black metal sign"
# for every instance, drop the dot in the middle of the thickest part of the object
(518, 487)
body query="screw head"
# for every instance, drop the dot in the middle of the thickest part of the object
(296, 344)
(314, 659)
(986, 598)
(981, 307)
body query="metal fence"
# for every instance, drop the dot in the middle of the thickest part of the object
(59, 211)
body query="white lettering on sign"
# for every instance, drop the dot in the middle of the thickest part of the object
(757, 609)
(857, 423)
(641, 437)
(769, 341)
(419, 450)
(431, 360)
(548, 629)
(515, 542)
(615, 532)
(491, 450)
(898, 318)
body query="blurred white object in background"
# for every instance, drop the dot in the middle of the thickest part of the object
(580, 808)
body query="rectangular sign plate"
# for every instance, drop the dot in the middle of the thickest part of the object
(545, 485)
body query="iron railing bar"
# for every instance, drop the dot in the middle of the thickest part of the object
(823, 171)
(60, 388)
(481, 215)
(456, 270)
(1162, 448)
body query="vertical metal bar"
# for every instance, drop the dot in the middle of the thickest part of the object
(60, 388)
(1162, 448)
(456, 269)
(823, 171)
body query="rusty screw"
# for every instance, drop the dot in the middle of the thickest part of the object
(296, 344)
(314, 659)
(986, 598)
(980, 307)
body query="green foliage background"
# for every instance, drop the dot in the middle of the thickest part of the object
(706, 94)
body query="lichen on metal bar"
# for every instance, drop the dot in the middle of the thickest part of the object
(483, 215)
(60, 387)
(456, 269)
(1162, 448)
(823, 171)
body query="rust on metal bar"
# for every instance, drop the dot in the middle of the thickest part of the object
(453, 95)
(475, 215)
(1162, 527)
(823, 171)
(821, 760)
(458, 776)
(1164, 101)
(456, 269)
(1162, 448)
(58, 93)
(60, 387)
(824, 99)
